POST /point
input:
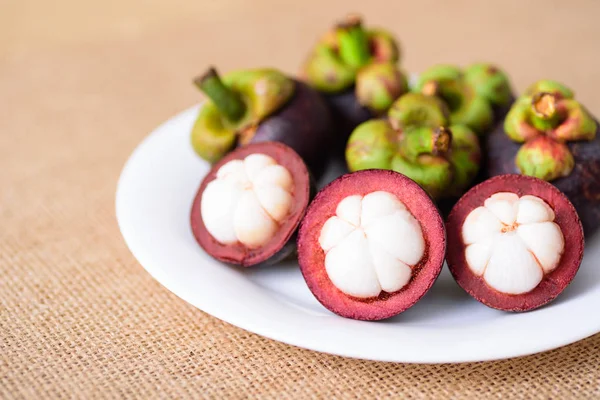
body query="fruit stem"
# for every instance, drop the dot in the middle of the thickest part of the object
(545, 115)
(353, 42)
(227, 101)
(425, 140)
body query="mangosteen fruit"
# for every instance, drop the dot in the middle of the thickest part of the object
(259, 105)
(250, 204)
(371, 245)
(476, 96)
(514, 242)
(418, 141)
(549, 135)
(356, 71)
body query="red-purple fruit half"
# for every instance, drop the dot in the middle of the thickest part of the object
(371, 245)
(548, 134)
(260, 105)
(514, 242)
(250, 204)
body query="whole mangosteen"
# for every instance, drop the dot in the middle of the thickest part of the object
(418, 141)
(250, 204)
(259, 105)
(371, 245)
(549, 135)
(356, 71)
(514, 242)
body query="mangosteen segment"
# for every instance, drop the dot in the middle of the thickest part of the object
(247, 201)
(512, 242)
(515, 242)
(250, 204)
(371, 245)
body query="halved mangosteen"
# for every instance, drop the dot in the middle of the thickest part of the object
(250, 204)
(371, 245)
(515, 242)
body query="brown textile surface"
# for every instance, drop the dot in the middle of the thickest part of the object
(81, 83)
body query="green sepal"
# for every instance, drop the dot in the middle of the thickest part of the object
(545, 158)
(378, 85)
(516, 123)
(371, 145)
(489, 82)
(549, 86)
(578, 124)
(263, 92)
(417, 109)
(384, 46)
(210, 138)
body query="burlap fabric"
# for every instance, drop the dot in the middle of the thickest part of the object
(81, 83)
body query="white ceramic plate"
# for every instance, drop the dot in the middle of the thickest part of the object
(153, 203)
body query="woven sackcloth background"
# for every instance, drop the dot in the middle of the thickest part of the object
(82, 83)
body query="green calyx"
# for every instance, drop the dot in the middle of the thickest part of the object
(466, 105)
(417, 109)
(550, 86)
(383, 45)
(422, 156)
(353, 43)
(336, 60)
(545, 159)
(378, 85)
(236, 104)
(443, 160)
(545, 121)
(489, 82)
(440, 72)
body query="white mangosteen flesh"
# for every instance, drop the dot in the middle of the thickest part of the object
(247, 201)
(371, 245)
(512, 242)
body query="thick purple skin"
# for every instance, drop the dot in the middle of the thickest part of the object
(499, 116)
(582, 186)
(347, 114)
(500, 112)
(305, 125)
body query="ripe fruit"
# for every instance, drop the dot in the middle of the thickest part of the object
(249, 205)
(371, 245)
(515, 242)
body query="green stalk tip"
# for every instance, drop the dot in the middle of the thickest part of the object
(227, 101)
(353, 42)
